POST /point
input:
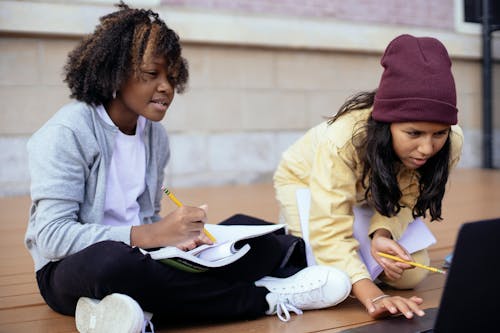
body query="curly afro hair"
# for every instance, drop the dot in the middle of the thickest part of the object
(104, 60)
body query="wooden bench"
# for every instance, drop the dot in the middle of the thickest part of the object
(472, 195)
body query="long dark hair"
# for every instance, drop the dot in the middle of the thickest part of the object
(373, 142)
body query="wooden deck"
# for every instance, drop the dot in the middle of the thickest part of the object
(472, 195)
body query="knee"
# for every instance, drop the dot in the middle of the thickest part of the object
(112, 260)
(409, 280)
(412, 277)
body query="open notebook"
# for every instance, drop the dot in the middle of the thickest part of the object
(416, 237)
(221, 253)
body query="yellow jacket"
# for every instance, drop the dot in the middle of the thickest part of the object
(325, 160)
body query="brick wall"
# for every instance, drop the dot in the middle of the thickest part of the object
(420, 13)
(257, 82)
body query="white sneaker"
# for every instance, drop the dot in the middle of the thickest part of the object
(314, 287)
(115, 313)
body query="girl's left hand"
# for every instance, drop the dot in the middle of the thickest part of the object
(382, 242)
(392, 305)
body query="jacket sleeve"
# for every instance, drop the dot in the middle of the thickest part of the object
(60, 163)
(333, 196)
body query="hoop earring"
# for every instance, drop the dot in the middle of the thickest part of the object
(114, 94)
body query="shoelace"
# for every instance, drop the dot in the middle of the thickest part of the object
(147, 323)
(283, 310)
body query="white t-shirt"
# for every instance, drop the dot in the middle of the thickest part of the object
(126, 175)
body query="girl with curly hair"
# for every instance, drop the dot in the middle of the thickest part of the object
(97, 167)
(389, 151)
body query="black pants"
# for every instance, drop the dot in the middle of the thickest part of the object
(171, 294)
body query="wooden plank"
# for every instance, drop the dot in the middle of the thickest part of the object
(472, 195)
(28, 313)
(21, 300)
(15, 211)
(6, 280)
(54, 325)
(18, 289)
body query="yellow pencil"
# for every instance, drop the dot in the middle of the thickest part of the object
(416, 264)
(179, 204)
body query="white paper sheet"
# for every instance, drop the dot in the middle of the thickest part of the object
(415, 238)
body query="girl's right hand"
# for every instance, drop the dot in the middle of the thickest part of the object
(179, 228)
(194, 243)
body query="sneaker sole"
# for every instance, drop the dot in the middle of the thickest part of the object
(116, 313)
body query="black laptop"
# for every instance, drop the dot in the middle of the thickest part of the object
(471, 296)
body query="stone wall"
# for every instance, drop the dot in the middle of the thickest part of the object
(251, 94)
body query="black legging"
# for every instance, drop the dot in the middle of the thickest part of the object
(170, 294)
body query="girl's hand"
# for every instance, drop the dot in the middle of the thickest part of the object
(182, 228)
(386, 305)
(382, 242)
(194, 243)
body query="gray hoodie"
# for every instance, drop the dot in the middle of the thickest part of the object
(68, 160)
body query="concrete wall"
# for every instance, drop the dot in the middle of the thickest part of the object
(257, 83)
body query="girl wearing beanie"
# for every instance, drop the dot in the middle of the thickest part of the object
(390, 150)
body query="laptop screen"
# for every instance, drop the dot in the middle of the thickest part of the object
(471, 296)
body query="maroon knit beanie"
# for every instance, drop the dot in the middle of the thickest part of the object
(417, 83)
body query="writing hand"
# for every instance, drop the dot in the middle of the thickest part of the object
(181, 226)
(201, 239)
(194, 243)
